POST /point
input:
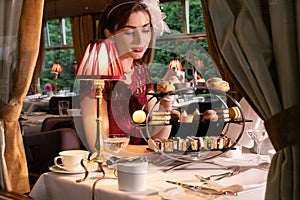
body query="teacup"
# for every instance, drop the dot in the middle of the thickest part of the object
(132, 176)
(70, 159)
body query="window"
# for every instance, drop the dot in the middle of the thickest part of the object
(59, 48)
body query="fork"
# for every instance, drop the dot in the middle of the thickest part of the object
(235, 171)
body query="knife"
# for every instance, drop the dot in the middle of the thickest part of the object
(204, 190)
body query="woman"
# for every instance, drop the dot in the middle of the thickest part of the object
(130, 25)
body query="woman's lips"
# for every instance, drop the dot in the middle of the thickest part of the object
(138, 49)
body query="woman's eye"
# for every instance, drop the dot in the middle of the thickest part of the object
(146, 30)
(128, 32)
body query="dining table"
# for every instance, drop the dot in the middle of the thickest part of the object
(32, 122)
(35, 102)
(58, 184)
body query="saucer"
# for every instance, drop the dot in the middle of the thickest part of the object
(59, 170)
(36, 113)
(91, 168)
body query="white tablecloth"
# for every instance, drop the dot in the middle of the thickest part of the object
(55, 186)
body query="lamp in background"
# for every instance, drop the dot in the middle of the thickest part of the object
(56, 69)
(175, 64)
(175, 68)
(99, 63)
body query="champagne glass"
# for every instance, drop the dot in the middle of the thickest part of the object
(258, 135)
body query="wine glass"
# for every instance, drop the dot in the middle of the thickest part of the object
(116, 142)
(258, 135)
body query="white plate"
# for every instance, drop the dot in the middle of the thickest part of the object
(178, 193)
(91, 167)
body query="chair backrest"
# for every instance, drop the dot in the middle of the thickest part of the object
(53, 123)
(5, 195)
(53, 103)
(41, 148)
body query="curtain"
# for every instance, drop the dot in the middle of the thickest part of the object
(256, 43)
(21, 27)
(35, 86)
(83, 30)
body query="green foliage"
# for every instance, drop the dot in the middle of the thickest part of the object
(66, 78)
(178, 49)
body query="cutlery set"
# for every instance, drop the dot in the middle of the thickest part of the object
(210, 187)
(205, 190)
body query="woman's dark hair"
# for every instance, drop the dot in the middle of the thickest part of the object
(115, 17)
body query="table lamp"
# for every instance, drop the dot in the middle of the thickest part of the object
(56, 69)
(100, 63)
(175, 64)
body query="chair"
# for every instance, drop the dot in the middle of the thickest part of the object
(13, 196)
(53, 123)
(53, 103)
(41, 149)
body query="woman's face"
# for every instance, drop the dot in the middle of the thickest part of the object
(133, 39)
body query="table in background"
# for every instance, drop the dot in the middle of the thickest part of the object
(63, 186)
(32, 123)
(35, 103)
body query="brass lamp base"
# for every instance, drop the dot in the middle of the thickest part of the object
(98, 157)
(85, 162)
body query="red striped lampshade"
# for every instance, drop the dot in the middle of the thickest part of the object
(56, 68)
(100, 61)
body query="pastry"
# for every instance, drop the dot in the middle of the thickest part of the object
(218, 83)
(139, 116)
(210, 115)
(164, 87)
(186, 118)
(175, 116)
(197, 115)
(234, 113)
(223, 114)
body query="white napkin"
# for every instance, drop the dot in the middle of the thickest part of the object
(250, 179)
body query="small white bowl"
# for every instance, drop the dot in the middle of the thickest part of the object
(271, 153)
(74, 112)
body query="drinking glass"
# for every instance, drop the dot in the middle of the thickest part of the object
(116, 142)
(258, 135)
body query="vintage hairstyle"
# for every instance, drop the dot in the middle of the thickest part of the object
(116, 15)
